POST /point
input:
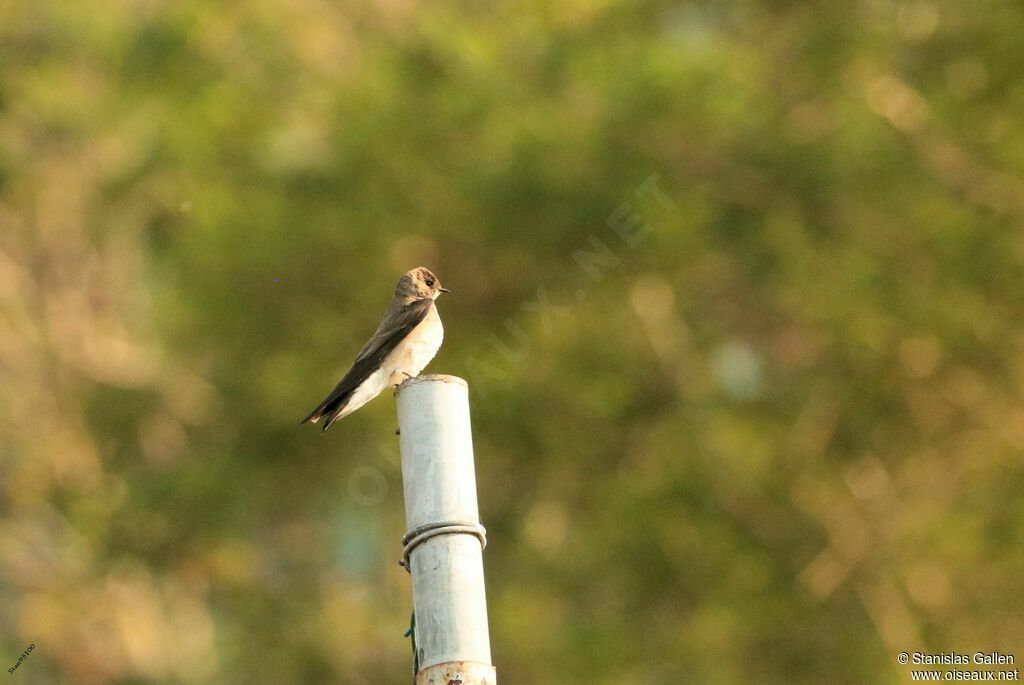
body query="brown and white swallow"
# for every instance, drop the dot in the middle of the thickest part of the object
(405, 341)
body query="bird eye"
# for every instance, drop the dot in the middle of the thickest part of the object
(430, 283)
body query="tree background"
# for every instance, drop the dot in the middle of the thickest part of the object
(737, 290)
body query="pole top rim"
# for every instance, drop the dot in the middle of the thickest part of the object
(431, 378)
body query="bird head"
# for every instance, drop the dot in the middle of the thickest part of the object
(420, 283)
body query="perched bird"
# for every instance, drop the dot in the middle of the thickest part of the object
(405, 341)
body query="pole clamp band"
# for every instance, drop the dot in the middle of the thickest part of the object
(415, 538)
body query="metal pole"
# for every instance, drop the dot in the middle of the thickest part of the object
(445, 539)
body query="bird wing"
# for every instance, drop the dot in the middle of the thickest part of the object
(397, 323)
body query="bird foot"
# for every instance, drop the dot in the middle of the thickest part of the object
(407, 377)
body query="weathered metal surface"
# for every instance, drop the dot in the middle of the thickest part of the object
(457, 673)
(439, 482)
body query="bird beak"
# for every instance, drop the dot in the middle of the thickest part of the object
(444, 290)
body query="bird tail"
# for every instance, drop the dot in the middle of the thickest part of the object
(330, 409)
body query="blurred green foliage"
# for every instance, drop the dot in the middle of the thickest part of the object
(778, 439)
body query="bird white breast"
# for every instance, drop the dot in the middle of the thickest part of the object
(416, 349)
(409, 357)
